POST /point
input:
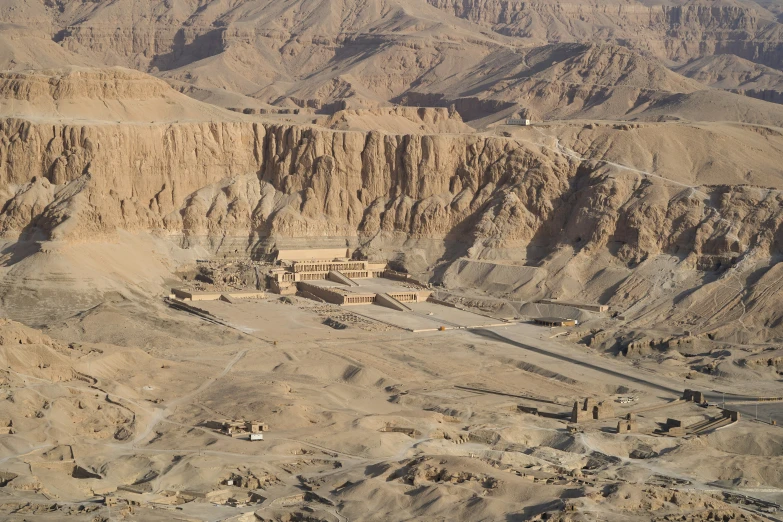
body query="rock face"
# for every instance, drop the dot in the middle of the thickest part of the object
(674, 32)
(256, 180)
(105, 176)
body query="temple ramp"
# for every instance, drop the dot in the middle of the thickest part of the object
(339, 277)
(390, 302)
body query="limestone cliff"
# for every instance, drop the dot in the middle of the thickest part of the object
(253, 181)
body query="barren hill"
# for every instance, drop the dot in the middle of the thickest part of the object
(568, 81)
(737, 75)
(330, 56)
(98, 94)
(667, 30)
(25, 48)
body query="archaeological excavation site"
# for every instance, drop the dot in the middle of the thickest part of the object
(400, 260)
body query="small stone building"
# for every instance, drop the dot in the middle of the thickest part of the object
(627, 426)
(591, 409)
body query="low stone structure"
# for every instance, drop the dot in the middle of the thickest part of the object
(410, 432)
(555, 321)
(694, 396)
(391, 301)
(341, 270)
(336, 295)
(581, 306)
(527, 409)
(305, 270)
(191, 295)
(579, 414)
(592, 410)
(603, 410)
(674, 427)
(255, 426)
(357, 295)
(236, 427)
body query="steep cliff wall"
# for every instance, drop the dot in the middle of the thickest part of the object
(252, 181)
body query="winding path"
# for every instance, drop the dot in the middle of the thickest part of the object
(161, 415)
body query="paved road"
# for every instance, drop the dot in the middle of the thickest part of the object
(712, 396)
(644, 382)
(766, 410)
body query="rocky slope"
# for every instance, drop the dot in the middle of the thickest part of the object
(305, 53)
(737, 75)
(595, 81)
(89, 94)
(483, 56)
(675, 32)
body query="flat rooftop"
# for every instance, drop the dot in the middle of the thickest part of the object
(375, 285)
(552, 319)
(427, 317)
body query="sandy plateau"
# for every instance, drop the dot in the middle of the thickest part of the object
(431, 260)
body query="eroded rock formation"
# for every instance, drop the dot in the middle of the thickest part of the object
(257, 180)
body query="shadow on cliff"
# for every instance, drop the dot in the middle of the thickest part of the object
(18, 251)
(28, 243)
(551, 233)
(455, 247)
(183, 53)
(529, 512)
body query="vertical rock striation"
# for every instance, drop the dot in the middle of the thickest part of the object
(252, 181)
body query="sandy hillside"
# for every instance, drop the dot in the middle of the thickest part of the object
(398, 120)
(97, 95)
(341, 55)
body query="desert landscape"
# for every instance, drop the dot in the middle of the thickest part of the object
(396, 260)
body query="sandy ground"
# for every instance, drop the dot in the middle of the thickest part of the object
(132, 411)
